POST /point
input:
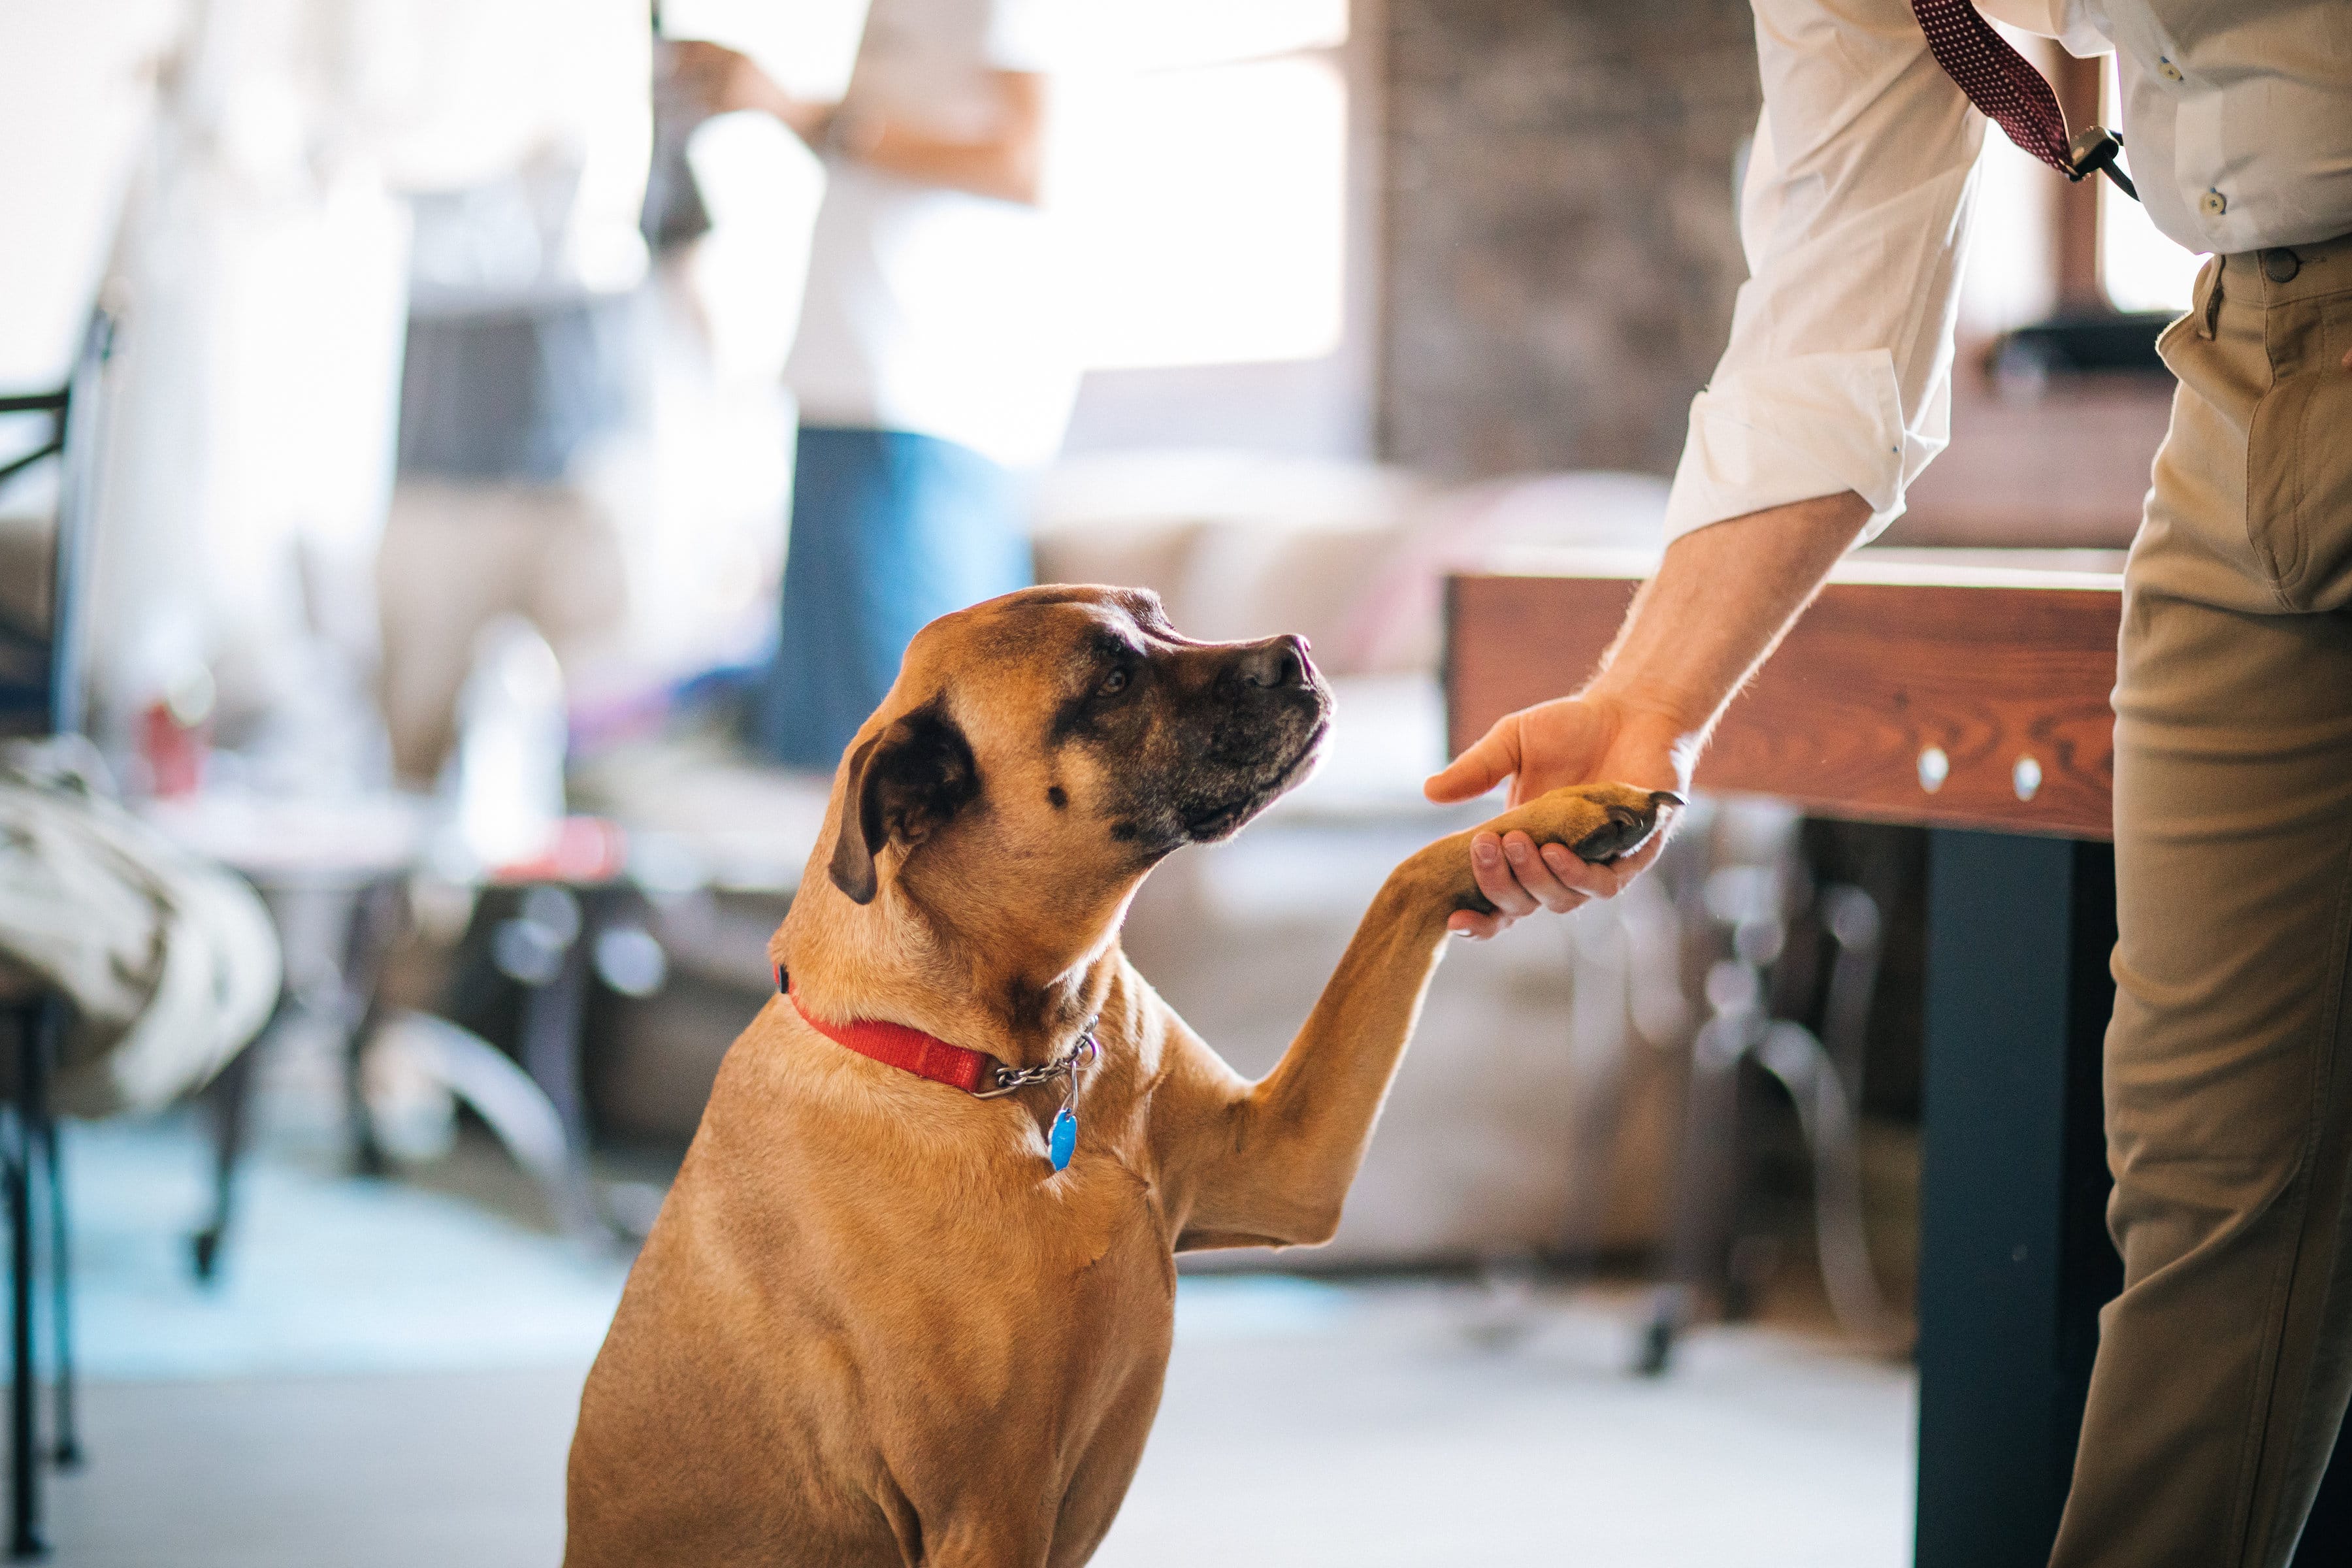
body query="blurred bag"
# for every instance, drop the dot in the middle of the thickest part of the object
(171, 962)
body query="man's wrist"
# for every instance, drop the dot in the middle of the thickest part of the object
(1645, 710)
(852, 136)
(1649, 744)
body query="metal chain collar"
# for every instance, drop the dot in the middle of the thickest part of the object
(1080, 1057)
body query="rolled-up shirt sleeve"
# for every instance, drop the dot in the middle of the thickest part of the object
(1854, 218)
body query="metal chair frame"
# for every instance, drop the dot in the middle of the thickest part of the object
(31, 1147)
(1750, 907)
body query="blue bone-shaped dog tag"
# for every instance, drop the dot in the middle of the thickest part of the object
(1062, 1142)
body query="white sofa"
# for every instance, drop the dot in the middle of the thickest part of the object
(1526, 1118)
(1479, 1153)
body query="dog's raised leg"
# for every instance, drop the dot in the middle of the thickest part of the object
(1275, 1166)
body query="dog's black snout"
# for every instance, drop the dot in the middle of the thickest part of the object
(1276, 664)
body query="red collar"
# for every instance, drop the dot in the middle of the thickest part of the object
(896, 1044)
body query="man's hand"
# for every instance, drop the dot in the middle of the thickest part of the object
(1721, 598)
(725, 81)
(1575, 739)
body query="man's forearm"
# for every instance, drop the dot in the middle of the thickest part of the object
(1006, 168)
(1719, 603)
(1007, 164)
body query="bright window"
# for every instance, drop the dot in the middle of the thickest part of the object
(1204, 178)
(1200, 163)
(2138, 267)
(2012, 276)
(1208, 209)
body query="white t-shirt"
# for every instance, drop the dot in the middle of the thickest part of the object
(931, 310)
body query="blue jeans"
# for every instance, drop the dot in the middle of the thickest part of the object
(889, 530)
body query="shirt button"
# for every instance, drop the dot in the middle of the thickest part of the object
(2167, 70)
(2213, 204)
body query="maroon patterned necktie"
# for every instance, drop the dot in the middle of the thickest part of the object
(2012, 94)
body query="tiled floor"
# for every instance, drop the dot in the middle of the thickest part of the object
(1373, 1431)
(1400, 1434)
(292, 1422)
(416, 1470)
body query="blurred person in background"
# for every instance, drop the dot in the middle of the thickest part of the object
(268, 196)
(932, 366)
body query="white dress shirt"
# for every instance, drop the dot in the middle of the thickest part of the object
(2237, 120)
(930, 310)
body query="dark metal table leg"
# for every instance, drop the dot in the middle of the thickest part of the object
(2014, 1256)
(23, 1414)
(2015, 1262)
(67, 1452)
(2327, 1534)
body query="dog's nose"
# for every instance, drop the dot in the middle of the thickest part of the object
(1276, 664)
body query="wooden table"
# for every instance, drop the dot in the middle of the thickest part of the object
(1964, 692)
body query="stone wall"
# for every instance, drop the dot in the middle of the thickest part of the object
(1561, 246)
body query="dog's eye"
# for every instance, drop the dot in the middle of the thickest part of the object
(1112, 684)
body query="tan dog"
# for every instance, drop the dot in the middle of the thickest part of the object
(873, 1324)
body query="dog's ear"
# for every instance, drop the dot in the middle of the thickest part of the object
(905, 784)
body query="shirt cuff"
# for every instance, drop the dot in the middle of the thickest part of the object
(1812, 425)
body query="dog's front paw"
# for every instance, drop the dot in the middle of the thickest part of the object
(1598, 823)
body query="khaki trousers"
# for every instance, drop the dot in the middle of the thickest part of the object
(2224, 1366)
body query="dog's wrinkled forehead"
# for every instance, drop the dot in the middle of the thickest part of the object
(1052, 639)
(995, 668)
(1088, 621)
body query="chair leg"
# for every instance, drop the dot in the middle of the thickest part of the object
(24, 1538)
(1704, 1178)
(494, 1087)
(375, 922)
(552, 1008)
(1826, 1116)
(67, 1453)
(227, 1099)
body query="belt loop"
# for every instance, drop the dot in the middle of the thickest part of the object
(2212, 312)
